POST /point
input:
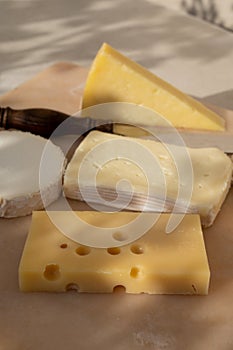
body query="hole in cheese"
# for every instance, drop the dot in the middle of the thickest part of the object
(114, 251)
(137, 249)
(82, 250)
(63, 245)
(194, 288)
(135, 271)
(72, 287)
(52, 272)
(119, 289)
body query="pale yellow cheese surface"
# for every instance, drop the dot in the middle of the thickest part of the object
(157, 263)
(115, 78)
(211, 169)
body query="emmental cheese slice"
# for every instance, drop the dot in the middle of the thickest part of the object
(115, 78)
(157, 263)
(100, 157)
(31, 170)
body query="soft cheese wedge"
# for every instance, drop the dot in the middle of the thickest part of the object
(31, 170)
(157, 263)
(115, 78)
(102, 160)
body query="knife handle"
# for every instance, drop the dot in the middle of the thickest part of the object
(44, 122)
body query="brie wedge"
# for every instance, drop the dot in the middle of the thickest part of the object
(31, 170)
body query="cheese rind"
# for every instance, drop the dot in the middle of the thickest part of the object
(157, 263)
(31, 170)
(210, 186)
(115, 78)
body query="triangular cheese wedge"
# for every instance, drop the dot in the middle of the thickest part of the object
(115, 78)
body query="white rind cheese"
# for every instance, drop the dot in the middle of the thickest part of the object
(26, 182)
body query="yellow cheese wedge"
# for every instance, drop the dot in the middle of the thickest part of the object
(157, 263)
(115, 78)
(106, 159)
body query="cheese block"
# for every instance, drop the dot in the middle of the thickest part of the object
(157, 263)
(115, 78)
(31, 170)
(202, 176)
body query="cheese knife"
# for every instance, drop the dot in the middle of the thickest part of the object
(44, 122)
